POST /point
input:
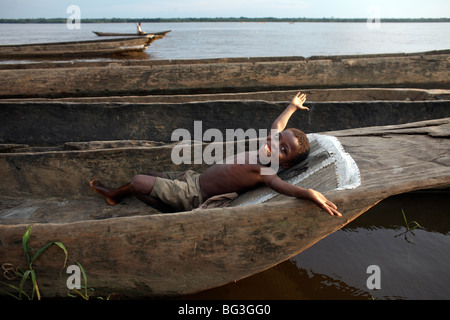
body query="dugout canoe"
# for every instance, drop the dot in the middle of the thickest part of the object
(128, 249)
(425, 70)
(314, 95)
(118, 34)
(78, 49)
(51, 123)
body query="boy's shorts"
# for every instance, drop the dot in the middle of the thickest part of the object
(180, 190)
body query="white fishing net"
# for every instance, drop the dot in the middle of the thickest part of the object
(347, 172)
(328, 167)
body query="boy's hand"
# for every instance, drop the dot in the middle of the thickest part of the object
(296, 104)
(322, 202)
(298, 101)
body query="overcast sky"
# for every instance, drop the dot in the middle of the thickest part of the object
(226, 8)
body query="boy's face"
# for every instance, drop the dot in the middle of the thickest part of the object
(285, 143)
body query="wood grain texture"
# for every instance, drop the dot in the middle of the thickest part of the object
(415, 70)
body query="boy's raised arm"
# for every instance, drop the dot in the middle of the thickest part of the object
(296, 104)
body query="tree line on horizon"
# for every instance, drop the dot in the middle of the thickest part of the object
(240, 19)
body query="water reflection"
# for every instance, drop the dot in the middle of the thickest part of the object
(335, 268)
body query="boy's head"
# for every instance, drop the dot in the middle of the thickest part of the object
(293, 147)
(302, 148)
(291, 144)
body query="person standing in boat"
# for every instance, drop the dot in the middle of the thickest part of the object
(185, 191)
(139, 29)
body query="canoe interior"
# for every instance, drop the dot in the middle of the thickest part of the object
(40, 198)
(50, 154)
(54, 123)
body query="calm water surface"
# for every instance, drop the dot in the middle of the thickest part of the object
(413, 265)
(223, 40)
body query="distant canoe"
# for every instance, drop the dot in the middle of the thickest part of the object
(86, 48)
(112, 34)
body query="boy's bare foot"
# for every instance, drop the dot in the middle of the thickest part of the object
(101, 189)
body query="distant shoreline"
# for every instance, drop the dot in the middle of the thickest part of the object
(240, 19)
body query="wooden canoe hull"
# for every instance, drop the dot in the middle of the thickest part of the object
(54, 123)
(314, 95)
(81, 79)
(170, 254)
(88, 48)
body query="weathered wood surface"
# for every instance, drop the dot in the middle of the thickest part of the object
(415, 70)
(180, 253)
(77, 48)
(53, 123)
(65, 174)
(314, 95)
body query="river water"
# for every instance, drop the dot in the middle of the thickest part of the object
(225, 40)
(412, 265)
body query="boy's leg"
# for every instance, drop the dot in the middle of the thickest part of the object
(142, 186)
(114, 196)
(179, 190)
(155, 203)
(177, 194)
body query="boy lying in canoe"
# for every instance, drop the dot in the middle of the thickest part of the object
(185, 191)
